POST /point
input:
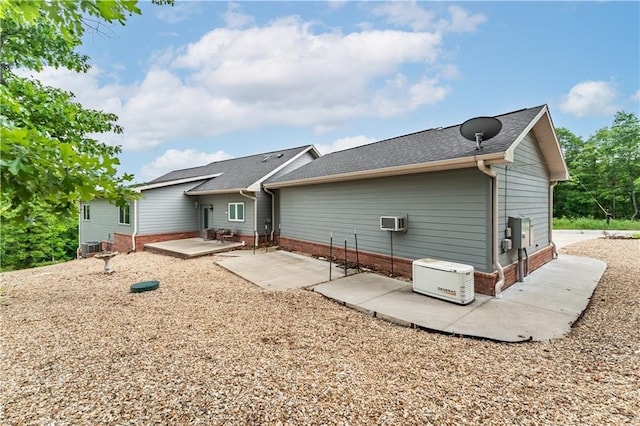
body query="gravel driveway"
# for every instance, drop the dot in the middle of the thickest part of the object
(210, 348)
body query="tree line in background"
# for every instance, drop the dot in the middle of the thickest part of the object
(604, 169)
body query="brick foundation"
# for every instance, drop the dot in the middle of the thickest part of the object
(378, 262)
(122, 242)
(484, 281)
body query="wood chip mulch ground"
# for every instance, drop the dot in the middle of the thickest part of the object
(210, 348)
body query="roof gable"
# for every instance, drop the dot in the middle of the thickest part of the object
(431, 150)
(234, 174)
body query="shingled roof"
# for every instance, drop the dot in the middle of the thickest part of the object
(431, 150)
(231, 175)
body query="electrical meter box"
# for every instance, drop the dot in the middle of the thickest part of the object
(521, 232)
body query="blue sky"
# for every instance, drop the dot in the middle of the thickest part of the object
(205, 81)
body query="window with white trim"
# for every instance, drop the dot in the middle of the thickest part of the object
(86, 212)
(236, 212)
(124, 215)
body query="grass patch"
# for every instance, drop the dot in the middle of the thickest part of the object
(591, 223)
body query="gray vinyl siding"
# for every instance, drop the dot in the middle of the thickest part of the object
(264, 210)
(526, 185)
(167, 209)
(219, 218)
(103, 223)
(448, 215)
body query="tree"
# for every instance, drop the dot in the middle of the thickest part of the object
(49, 158)
(47, 153)
(42, 238)
(605, 171)
(620, 148)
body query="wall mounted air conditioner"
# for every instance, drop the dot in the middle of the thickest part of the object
(449, 281)
(393, 223)
(90, 247)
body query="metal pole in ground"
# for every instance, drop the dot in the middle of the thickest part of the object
(355, 234)
(345, 257)
(330, 253)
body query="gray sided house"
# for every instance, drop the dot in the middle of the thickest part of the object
(195, 202)
(456, 200)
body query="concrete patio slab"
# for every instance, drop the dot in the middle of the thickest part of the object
(542, 307)
(507, 321)
(276, 270)
(191, 247)
(420, 310)
(359, 288)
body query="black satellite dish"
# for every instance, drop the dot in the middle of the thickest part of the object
(480, 129)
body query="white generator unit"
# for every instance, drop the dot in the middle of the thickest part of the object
(448, 281)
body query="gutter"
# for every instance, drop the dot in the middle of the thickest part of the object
(175, 182)
(215, 191)
(255, 216)
(494, 231)
(273, 212)
(551, 243)
(135, 225)
(433, 166)
(79, 249)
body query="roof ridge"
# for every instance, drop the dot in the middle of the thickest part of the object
(432, 129)
(273, 151)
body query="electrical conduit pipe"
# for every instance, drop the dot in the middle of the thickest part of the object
(494, 220)
(255, 216)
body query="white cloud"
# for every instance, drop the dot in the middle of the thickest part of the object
(336, 4)
(343, 143)
(461, 21)
(413, 15)
(176, 13)
(174, 159)
(590, 98)
(234, 18)
(636, 96)
(283, 73)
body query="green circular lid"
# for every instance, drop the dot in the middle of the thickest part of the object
(144, 286)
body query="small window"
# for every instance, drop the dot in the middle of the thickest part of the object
(124, 215)
(236, 212)
(86, 212)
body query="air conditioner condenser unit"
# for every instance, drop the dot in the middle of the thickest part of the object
(444, 280)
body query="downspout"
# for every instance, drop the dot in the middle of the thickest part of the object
(551, 243)
(273, 212)
(79, 249)
(135, 225)
(494, 219)
(255, 216)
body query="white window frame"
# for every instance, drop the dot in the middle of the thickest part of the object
(86, 212)
(122, 214)
(233, 207)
